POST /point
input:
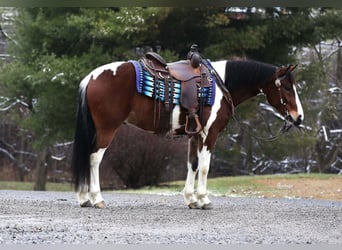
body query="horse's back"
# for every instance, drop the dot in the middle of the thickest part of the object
(95, 73)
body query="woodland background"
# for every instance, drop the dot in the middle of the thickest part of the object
(45, 52)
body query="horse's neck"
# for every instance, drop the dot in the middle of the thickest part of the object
(240, 96)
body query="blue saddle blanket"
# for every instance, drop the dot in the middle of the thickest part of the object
(146, 85)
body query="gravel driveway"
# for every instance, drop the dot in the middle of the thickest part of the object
(55, 217)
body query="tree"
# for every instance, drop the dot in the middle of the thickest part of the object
(284, 32)
(51, 59)
(53, 48)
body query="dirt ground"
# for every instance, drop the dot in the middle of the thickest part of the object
(326, 189)
(32, 217)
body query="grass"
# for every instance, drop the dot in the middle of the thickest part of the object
(314, 186)
(248, 186)
(223, 186)
(50, 186)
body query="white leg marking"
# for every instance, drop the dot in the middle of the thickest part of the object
(189, 189)
(82, 195)
(203, 166)
(94, 189)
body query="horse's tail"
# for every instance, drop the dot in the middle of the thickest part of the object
(83, 143)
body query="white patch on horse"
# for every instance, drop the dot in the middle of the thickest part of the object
(299, 104)
(175, 117)
(214, 109)
(98, 71)
(220, 67)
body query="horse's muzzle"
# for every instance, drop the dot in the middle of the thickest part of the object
(192, 124)
(296, 122)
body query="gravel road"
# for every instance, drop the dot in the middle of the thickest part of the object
(55, 217)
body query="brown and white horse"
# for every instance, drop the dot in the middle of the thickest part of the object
(109, 97)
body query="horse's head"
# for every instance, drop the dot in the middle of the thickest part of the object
(281, 93)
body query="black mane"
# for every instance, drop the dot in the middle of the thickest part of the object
(247, 73)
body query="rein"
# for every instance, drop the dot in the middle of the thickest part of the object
(220, 84)
(281, 131)
(284, 129)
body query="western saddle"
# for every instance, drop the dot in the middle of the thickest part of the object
(192, 75)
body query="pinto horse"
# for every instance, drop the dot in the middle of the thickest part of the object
(108, 97)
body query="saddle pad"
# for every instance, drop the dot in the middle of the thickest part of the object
(145, 84)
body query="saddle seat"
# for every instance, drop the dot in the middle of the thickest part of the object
(183, 71)
(180, 70)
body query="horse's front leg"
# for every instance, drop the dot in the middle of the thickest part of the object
(204, 156)
(192, 164)
(198, 162)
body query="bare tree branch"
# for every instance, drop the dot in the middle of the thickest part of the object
(14, 151)
(8, 154)
(18, 164)
(6, 17)
(5, 104)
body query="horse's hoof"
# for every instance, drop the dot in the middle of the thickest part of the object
(86, 204)
(194, 205)
(207, 206)
(100, 205)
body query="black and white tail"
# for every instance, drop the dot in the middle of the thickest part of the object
(83, 143)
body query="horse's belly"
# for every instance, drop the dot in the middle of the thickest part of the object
(150, 121)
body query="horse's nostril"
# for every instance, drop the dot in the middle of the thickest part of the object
(299, 120)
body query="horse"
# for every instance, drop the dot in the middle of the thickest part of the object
(108, 98)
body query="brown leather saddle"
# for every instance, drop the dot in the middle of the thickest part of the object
(191, 79)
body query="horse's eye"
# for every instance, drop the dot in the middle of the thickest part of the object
(287, 87)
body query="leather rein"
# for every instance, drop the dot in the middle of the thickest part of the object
(287, 125)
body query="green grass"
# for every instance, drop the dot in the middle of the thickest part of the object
(50, 186)
(222, 186)
(236, 186)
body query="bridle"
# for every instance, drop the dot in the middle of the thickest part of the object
(287, 121)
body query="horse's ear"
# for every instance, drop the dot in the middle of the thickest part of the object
(291, 68)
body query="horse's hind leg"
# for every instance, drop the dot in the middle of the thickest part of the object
(95, 189)
(189, 189)
(89, 196)
(83, 196)
(103, 140)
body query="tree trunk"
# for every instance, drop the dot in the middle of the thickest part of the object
(43, 161)
(339, 67)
